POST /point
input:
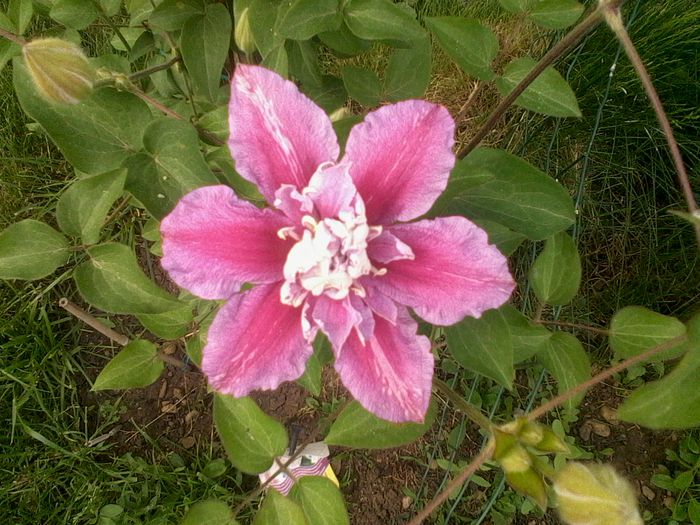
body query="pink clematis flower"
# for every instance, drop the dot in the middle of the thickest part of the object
(332, 252)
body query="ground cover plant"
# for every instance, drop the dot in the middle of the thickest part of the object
(152, 135)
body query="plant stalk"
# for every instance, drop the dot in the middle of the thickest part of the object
(149, 71)
(12, 37)
(471, 411)
(93, 322)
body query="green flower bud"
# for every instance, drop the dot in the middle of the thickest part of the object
(242, 34)
(60, 70)
(516, 459)
(590, 494)
(340, 114)
(530, 483)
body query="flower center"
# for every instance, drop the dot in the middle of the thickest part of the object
(328, 257)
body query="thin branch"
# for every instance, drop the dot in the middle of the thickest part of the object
(614, 20)
(464, 110)
(461, 478)
(95, 323)
(471, 411)
(112, 26)
(12, 37)
(149, 71)
(605, 374)
(586, 327)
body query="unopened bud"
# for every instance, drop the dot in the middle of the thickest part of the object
(60, 70)
(242, 34)
(590, 494)
(516, 459)
(340, 114)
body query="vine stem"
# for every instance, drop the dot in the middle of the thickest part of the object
(614, 21)
(564, 45)
(586, 327)
(12, 37)
(93, 322)
(149, 71)
(471, 411)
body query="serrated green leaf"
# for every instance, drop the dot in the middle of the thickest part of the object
(204, 44)
(484, 345)
(251, 438)
(320, 500)
(556, 14)
(548, 94)
(76, 14)
(568, 363)
(635, 329)
(344, 42)
(556, 273)
(469, 43)
(363, 85)
(113, 282)
(31, 250)
(136, 365)
(529, 339)
(277, 509)
(168, 325)
(209, 512)
(95, 135)
(674, 400)
(408, 73)
(82, 209)
(171, 15)
(381, 20)
(307, 18)
(20, 12)
(518, 195)
(171, 166)
(356, 427)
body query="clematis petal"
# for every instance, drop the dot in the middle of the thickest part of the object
(387, 247)
(391, 374)
(255, 342)
(277, 135)
(331, 189)
(213, 242)
(455, 273)
(335, 318)
(401, 159)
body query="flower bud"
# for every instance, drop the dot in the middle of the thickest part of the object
(242, 34)
(590, 494)
(60, 70)
(340, 114)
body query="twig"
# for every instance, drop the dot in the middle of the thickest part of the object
(149, 71)
(463, 476)
(464, 110)
(12, 37)
(95, 323)
(605, 374)
(614, 20)
(462, 405)
(586, 327)
(112, 25)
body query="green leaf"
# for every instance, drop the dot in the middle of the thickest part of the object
(251, 438)
(466, 175)
(484, 345)
(276, 509)
(362, 85)
(381, 20)
(344, 42)
(204, 44)
(568, 363)
(408, 73)
(311, 379)
(20, 12)
(31, 250)
(277, 60)
(505, 239)
(556, 273)
(171, 15)
(96, 135)
(136, 365)
(209, 512)
(306, 18)
(113, 282)
(110, 7)
(518, 195)
(8, 49)
(76, 14)
(549, 94)
(263, 16)
(330, 95)
(635, 329)
(694, 511)
(139, 10)
(171, 166)
(469, 43)
(168, 325)
(303, 62)
(556, 14)
(320, 500)
(356, 427)
(673, 401)
(528, 338)
(516, 6)
(82, 209)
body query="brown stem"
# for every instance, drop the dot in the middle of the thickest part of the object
(463, 476)
(614, 20)
(12, 37)
(464, 110)
(564, 45)
(586, 327)
(605, 374)
(174, 361)
(149, 71)
(95, 323)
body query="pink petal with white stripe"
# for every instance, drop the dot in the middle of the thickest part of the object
(391, 375)
(213, 242)
(387, 247)
(277, 135)
(255, 342)
(331, 189)
(455, 273)
(401, 157)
